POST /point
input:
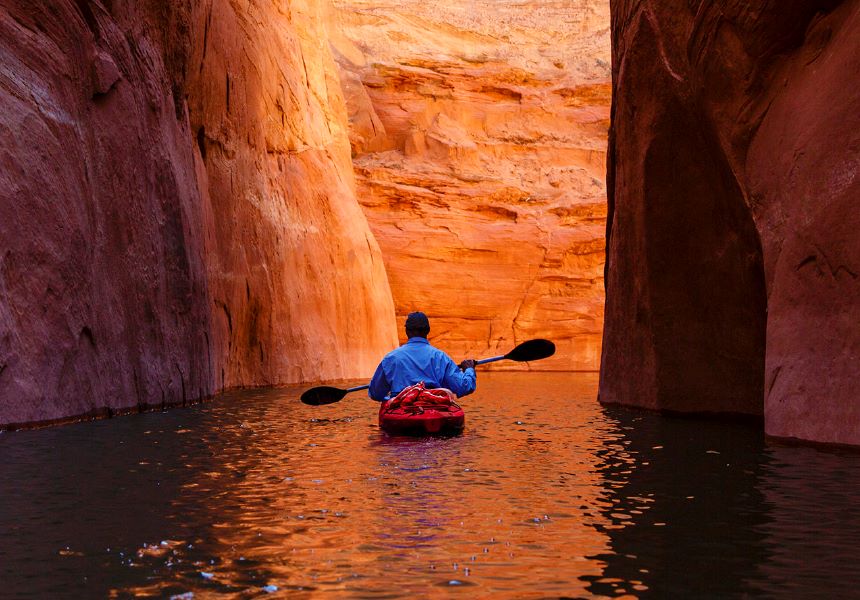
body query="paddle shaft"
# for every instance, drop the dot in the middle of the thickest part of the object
(484, 361)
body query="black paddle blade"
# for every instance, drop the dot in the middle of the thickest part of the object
(532, 350)
(323, 395)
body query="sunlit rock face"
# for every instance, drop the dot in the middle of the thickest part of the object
(478, 132)
(298, 287)
(177, 210)
(734, 236)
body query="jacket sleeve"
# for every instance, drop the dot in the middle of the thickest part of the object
(379, 385)
(460, 382)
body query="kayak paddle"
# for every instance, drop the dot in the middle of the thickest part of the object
(325, 394)
(527, 351)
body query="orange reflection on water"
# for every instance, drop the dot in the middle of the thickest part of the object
(303, 498)
(546, 494)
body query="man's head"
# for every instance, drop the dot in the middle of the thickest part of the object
(417, 325)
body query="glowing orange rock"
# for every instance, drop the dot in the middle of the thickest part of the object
(298, 287)
(478, 135)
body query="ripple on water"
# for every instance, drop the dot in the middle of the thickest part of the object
(255, 494)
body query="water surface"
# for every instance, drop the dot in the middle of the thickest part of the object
(546, 494)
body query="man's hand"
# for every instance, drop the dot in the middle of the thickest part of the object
(469, 363)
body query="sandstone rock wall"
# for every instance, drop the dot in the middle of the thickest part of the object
(176, 207)
(478, 132)
(733, 237)
(299, 289)
(103, 300)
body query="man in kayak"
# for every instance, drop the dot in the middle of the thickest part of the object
(417, 361)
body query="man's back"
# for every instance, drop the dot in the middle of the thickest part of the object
(415, 361)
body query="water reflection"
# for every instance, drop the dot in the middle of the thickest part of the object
(813, 533)
(684, 501)
(546, 494)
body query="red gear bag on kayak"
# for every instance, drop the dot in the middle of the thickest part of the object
(419, 410)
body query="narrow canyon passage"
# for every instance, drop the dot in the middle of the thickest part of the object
(211, 233)
(205, 195)
(213, 205)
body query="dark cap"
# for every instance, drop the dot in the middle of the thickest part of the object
(417, 321)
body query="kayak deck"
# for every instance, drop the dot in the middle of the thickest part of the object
(426, 422)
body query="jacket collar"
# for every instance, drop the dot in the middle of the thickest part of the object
(418, 340)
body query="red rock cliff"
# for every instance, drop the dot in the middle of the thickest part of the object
(733, 234)
(298, 287)
(177, 213)
(479, 134)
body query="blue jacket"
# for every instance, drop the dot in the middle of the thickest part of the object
(415, 361)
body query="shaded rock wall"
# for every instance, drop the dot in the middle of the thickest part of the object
(478, 131)
(176, 207)
(733, 233)
(102, 282)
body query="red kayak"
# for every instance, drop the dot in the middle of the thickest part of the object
(421, 411)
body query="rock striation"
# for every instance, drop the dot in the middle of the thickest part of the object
(733, 235)
(478, 133)
(177, 213)
(297, 283)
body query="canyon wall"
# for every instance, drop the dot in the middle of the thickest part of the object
(177, 212)
(298, 286)
(478, 133)
(733, 232)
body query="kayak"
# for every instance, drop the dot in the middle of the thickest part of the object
(418, 410)
(429, 421)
